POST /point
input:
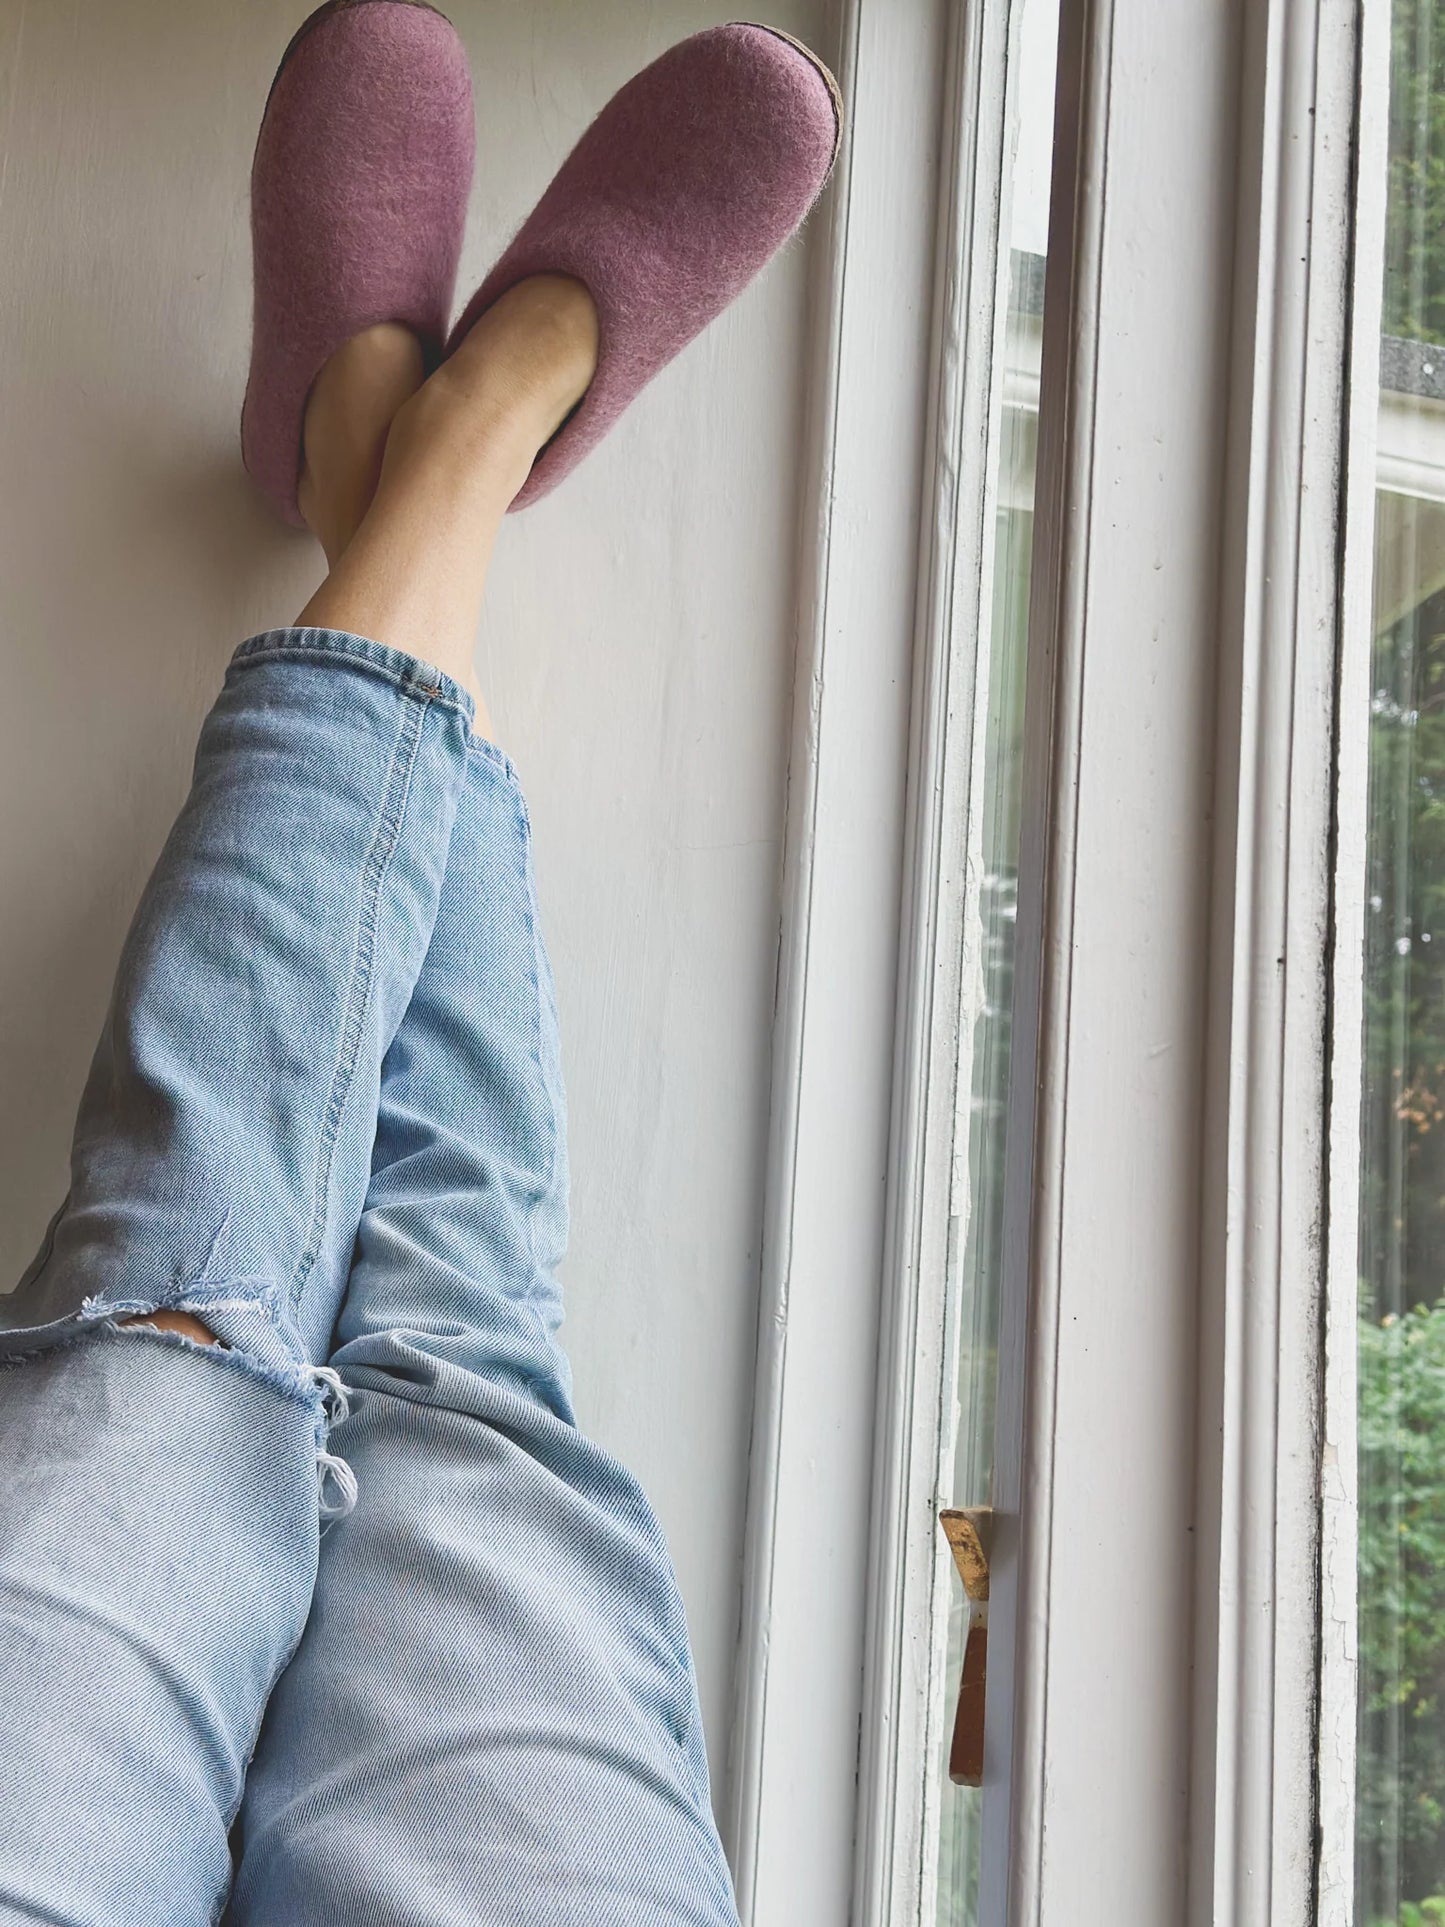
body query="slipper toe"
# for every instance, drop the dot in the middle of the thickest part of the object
(359, 188)
(685, 185)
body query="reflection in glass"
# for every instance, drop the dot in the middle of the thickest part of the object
(977, 1183)
(1400, 1810)
(981, 1177)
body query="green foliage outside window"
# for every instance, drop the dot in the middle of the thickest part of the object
(1402, 1609)
(1414, 232)
(1427, 1913)
(1400, 1862)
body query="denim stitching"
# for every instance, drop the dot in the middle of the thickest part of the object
(534, 975)
(378, 862)
(488, 752)
(408, 685)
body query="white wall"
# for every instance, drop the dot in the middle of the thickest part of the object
(637, 648)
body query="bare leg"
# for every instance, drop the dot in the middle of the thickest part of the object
(412, 573)
(353, 402)
(176, 1321)
(405, 483)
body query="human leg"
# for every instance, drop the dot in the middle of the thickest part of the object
(158, 1525)
(158, 1531)
(154, 1574)
(492, 1714)
(165, 1410)
(413, 568)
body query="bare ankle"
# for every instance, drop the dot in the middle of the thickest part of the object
(524, 364)
(457, 453)
(349, 412)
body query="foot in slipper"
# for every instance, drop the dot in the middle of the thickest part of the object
(359, 189)
(682, 188)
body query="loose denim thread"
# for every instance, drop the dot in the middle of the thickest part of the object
(336, 1406)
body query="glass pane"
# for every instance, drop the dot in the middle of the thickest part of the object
(1400, 1812)
(976, 1205)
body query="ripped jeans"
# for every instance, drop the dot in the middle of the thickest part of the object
(340, 1619)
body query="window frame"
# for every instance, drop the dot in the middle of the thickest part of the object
(790, 1812)
(908, 1697)
(1281, 1109)
(1336, 1752)
(1177, 1195)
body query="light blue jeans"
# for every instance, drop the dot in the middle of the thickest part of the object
(326, 1117)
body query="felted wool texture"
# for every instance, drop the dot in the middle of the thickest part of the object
(359, 188)
(682, 188)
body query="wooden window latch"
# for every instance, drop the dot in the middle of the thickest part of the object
(970, 1536)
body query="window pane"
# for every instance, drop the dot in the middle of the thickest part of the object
(976, 1205)
(1400, 1846)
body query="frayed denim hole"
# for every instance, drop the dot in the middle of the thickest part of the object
(319, 1385)
(263, 1296)
(140, 1326)
(127, 1323)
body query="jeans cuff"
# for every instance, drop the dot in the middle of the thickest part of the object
(409, 673)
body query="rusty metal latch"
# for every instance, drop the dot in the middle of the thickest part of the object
(970, 1536)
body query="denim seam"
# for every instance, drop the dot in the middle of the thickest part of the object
(534, 978)
(488, 752)
(378, 863)
(256, 1731)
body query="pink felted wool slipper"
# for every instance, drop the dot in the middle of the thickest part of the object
(358, 198)
(674, 198)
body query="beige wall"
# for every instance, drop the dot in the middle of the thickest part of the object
(637, 648)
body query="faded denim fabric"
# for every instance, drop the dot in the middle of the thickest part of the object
(326, 1116)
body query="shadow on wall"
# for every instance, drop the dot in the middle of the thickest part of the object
(157, 556)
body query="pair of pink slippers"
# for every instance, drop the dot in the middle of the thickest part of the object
(674, 198)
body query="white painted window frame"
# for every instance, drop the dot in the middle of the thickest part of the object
(909, 1698)
(1182, 1141)
(1370, 461)
(791, 1807)
(1275, 1458)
